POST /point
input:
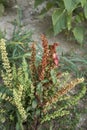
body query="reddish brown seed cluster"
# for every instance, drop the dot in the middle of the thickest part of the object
(62, 92)
(45, 57)
(33, 58)
(49, 58)
(53, 55)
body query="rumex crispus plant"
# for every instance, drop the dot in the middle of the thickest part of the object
(36, 91)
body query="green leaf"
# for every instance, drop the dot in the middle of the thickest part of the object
(78, 19)
(25, 66)
(85, 10)
(39, 89)
(70, 5)
(38, 2)
(34, 104)
(79, 34)
(49, 5)
(53, 76)
(17, 126)
(1, 9)
(59, 20)
(38, 112)
(83, 2)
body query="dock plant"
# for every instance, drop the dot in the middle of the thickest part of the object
(36, 92)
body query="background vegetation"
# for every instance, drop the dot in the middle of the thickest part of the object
(68, 15)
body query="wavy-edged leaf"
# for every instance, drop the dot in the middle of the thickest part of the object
(79, 34)
(70, 5)
(83, 2)
(59, 20)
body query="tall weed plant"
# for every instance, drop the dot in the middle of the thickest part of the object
(35, 92)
